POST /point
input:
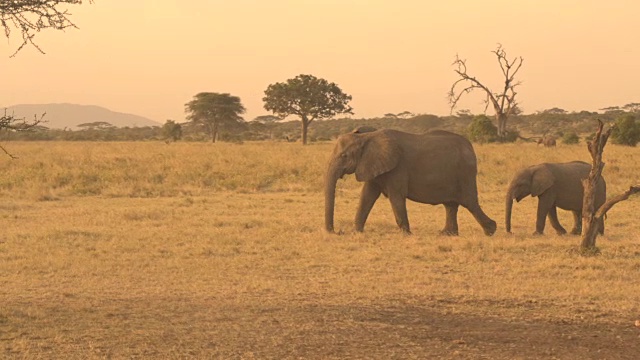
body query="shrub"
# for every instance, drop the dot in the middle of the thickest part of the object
(626, 130)
(510, 136)
(570, 138)
(482, 130)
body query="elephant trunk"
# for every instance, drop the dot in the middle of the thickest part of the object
(331, 180)
(507, 213)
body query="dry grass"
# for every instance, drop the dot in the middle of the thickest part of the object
(147, 250)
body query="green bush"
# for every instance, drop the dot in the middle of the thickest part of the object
(626, 130)
(510, 136)
(482, 130)
(570, 138)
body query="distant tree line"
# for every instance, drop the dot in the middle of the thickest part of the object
(567, 127)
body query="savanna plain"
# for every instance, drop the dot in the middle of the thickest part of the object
(195, 250)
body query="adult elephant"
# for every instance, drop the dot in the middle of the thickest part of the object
(438, 167)
(557, 185)
(547, 141)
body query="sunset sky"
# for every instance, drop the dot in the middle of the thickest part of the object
(149, 57)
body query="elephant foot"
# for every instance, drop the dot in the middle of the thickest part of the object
(448, 232)
(576, 231)
(537, 233)
(490, 229)
(561, 232)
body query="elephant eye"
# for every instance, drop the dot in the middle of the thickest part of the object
(343, 155)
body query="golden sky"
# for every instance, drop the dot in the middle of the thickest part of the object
(149, 57)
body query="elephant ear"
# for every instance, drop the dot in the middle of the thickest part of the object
(541, 180)
(380, 154)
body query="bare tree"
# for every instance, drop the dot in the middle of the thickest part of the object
(504, 102)
(590, 215)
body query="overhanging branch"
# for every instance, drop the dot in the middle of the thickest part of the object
(31, 16)
(602, 211)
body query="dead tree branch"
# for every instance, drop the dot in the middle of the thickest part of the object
(11, 123)
(31, 16)
(504, 103)
(602, 211)
(591, 217)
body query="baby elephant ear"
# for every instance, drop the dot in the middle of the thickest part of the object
(542, 179)
(380, 154)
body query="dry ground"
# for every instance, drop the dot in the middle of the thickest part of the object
(140, 250)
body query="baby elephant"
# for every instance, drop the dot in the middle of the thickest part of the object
(555, 185)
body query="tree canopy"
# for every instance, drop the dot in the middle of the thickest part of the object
(96, 125)
(308, 97)
(171, 131)
(215, 111)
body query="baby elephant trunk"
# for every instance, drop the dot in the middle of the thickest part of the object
(507, 212)
(329, 197)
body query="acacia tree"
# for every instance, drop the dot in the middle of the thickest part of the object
(308, 97)
(30, 17)
(503, 102)
(214, 110)
(171, 131)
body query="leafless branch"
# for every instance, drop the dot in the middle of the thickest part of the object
(504, 103)
(31, 16)
(455, 94)
(11, 123)
(616, 199)
(8, 153)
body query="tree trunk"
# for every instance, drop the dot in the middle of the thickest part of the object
(590, 221)
(214, 135)
(305, 127)
(502, 124)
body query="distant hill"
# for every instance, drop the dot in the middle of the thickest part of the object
(70, 116)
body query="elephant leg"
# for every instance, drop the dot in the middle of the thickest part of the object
(370, 193)
(577, 223)
(553, 219)
(451, 222)
(545, 203)
(489, 226)
(399, 206)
